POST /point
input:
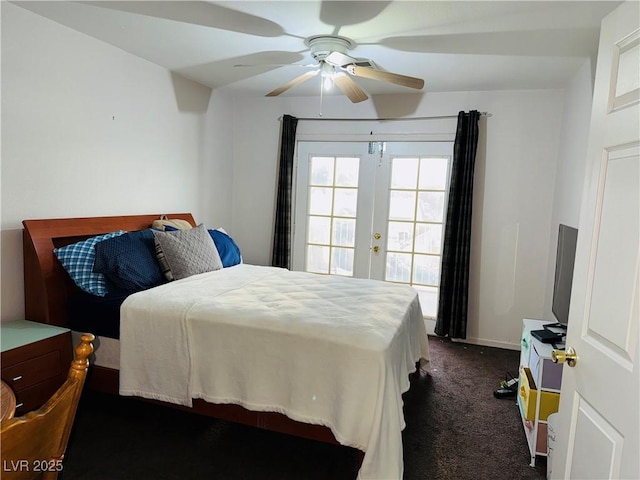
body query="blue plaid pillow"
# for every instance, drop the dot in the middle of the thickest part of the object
(78, 258)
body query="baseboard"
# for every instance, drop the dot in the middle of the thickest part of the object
(488, 343)
(430, 325)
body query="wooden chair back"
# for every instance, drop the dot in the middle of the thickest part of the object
(33, 445)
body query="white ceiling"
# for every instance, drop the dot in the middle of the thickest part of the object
(452, 45)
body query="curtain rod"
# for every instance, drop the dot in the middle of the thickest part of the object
(483, 114)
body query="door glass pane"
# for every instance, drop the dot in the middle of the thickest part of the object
(344, 232)
(400, 236)
(347, 171)
(319, 229)
(433, 173)
(398, 267)
(402, 205)
(430, 206)
(317, 259)
(426, 270)
(428, 238)
(346, 202)
(320, 200)
(321, 171)
(342, 261)
(404, 173)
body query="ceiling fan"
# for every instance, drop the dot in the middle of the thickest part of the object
(330, 51)
(337, 67)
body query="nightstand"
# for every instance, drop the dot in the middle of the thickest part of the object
(35, 361)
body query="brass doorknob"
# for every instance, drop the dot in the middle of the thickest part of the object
(377, 236)
(376, 249)
(568, 356)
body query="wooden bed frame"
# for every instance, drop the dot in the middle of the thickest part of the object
(47, 286)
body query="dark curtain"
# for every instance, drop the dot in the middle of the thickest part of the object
(454, 278)
(281, 255)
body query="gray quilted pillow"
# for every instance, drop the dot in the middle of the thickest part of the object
(187, 252)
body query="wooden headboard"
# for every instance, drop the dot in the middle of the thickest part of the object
(46, 284)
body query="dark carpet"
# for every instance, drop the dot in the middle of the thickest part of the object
(455, 429)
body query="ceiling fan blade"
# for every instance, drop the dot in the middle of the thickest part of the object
(349, 88)
(542, 42)
(404, 80)
(222, 72)
(198, 13)
(292, 83)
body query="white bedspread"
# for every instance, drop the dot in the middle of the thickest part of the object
(324, 350)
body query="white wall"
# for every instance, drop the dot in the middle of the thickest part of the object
(515, 182)
(90, 130)
(572, 158)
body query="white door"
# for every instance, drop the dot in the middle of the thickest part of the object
(373, 210)
(599, 422)
(412, 182)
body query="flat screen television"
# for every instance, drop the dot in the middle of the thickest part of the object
(565, 259)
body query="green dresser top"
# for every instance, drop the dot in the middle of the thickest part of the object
(22, 332)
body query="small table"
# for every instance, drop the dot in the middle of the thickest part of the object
(7, 402)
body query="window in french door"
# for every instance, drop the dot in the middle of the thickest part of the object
(331, 219)
(415, 221)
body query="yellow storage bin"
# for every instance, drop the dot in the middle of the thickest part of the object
(549, 401)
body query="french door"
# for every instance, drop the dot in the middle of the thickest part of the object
(373, 210)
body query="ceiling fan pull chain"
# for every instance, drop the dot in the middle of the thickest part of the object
(321, 97)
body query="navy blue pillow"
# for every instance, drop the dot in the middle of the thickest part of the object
(130, 264)
(227, 248)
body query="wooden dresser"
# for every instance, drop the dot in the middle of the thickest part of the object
(35, 361)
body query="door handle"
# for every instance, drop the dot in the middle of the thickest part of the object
(568, 356)
(377, 236)
(376, 249)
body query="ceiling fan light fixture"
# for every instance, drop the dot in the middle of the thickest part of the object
(327, 83)
(327, 72)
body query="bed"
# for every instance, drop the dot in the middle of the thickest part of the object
(226, 341)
